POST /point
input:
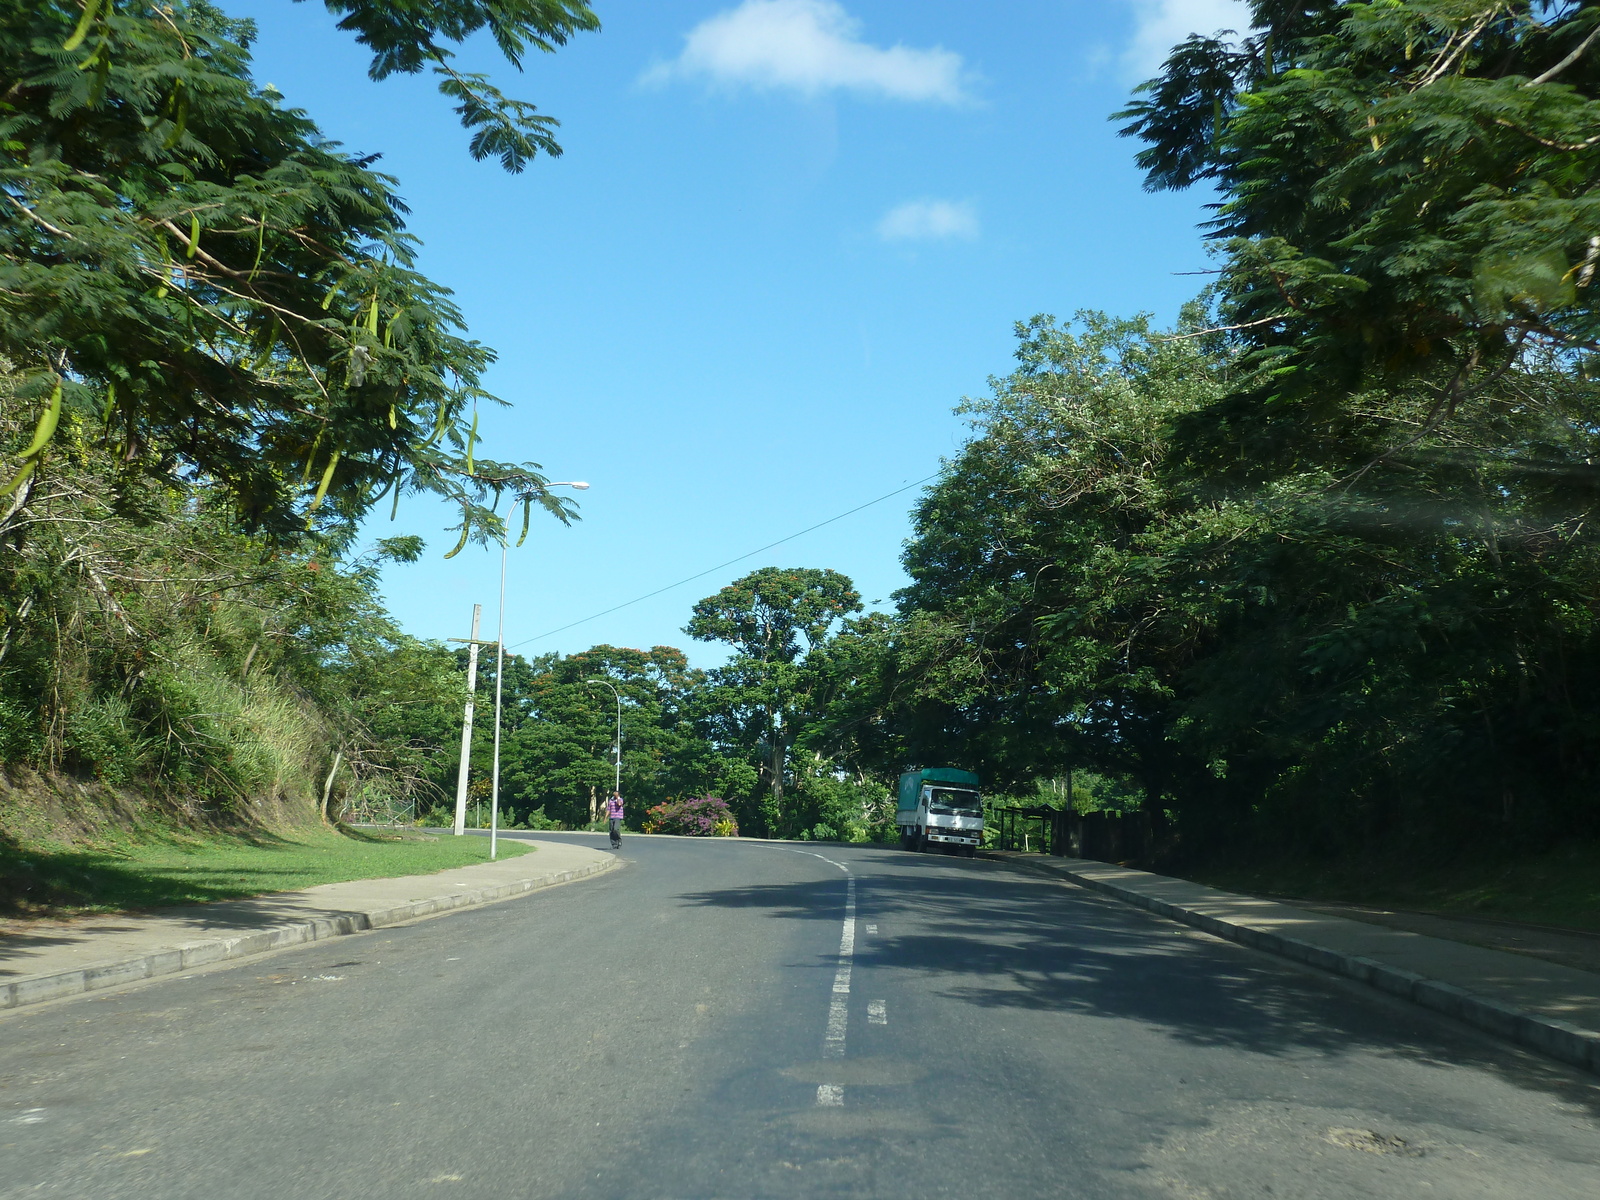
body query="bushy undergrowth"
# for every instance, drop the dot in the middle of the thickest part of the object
(830, 809)
(147, 643)
(707, 816)
(443, 816)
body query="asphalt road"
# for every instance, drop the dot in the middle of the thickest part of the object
(688, 1026)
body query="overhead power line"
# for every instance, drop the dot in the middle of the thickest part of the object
(712, 570)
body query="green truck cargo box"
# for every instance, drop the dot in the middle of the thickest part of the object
(911, 783)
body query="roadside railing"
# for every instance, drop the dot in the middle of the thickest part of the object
(366, 809)
(1104, 836)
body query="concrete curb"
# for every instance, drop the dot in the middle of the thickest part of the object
(171, 960)
(1549, 1036)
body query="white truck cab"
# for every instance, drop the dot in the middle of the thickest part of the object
(940, 807)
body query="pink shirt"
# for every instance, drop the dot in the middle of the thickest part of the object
(613, 809)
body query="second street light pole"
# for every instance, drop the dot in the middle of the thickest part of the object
(500, 668)
(499, 674)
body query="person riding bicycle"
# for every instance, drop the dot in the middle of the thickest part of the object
(614, 815)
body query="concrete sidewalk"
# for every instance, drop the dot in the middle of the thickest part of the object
(65, 958)
(1546, 1006)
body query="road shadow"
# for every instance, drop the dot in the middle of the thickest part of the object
(997, 938)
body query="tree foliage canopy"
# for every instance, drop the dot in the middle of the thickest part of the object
(1312, 661)
(1318, 566)
(216, 355)
(410, 37)
(190, 266)
(1409, 189)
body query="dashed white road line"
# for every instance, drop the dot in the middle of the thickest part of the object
(839, 1009)
(877, 1012)
(831, 1095)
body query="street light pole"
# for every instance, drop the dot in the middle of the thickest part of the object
(466, 724)
(617, 790)
(500, 668)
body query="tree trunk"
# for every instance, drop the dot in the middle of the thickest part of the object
(777, 774)
(775, 765)
(327, 787)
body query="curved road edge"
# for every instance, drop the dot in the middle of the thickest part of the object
(1451, 978)
(195, 936)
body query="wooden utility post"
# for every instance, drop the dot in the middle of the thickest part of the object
(466, 725)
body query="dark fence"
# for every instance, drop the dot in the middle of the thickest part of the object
(1105, 836)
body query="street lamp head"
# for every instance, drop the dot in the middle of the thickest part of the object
(575, 485)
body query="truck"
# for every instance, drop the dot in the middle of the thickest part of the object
(940, 806)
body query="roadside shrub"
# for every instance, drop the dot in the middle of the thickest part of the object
(534, 819)
(439, 816)
(707, 816)
(21, 738)
(830, 808)
(101, 738)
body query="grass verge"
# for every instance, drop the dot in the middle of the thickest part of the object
(154, 870)
(1559, 887)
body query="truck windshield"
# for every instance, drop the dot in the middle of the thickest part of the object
(949, 801)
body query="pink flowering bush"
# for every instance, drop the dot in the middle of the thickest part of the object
(708, 816)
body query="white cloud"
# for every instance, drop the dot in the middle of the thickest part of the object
(928, 220)
(810, 46)
(1162, 24)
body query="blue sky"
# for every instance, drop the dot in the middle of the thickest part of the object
(787, 236)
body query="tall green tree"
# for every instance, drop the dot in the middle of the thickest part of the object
(1315, 569)
(217, 357)
(1036, 634)
(775, 619)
